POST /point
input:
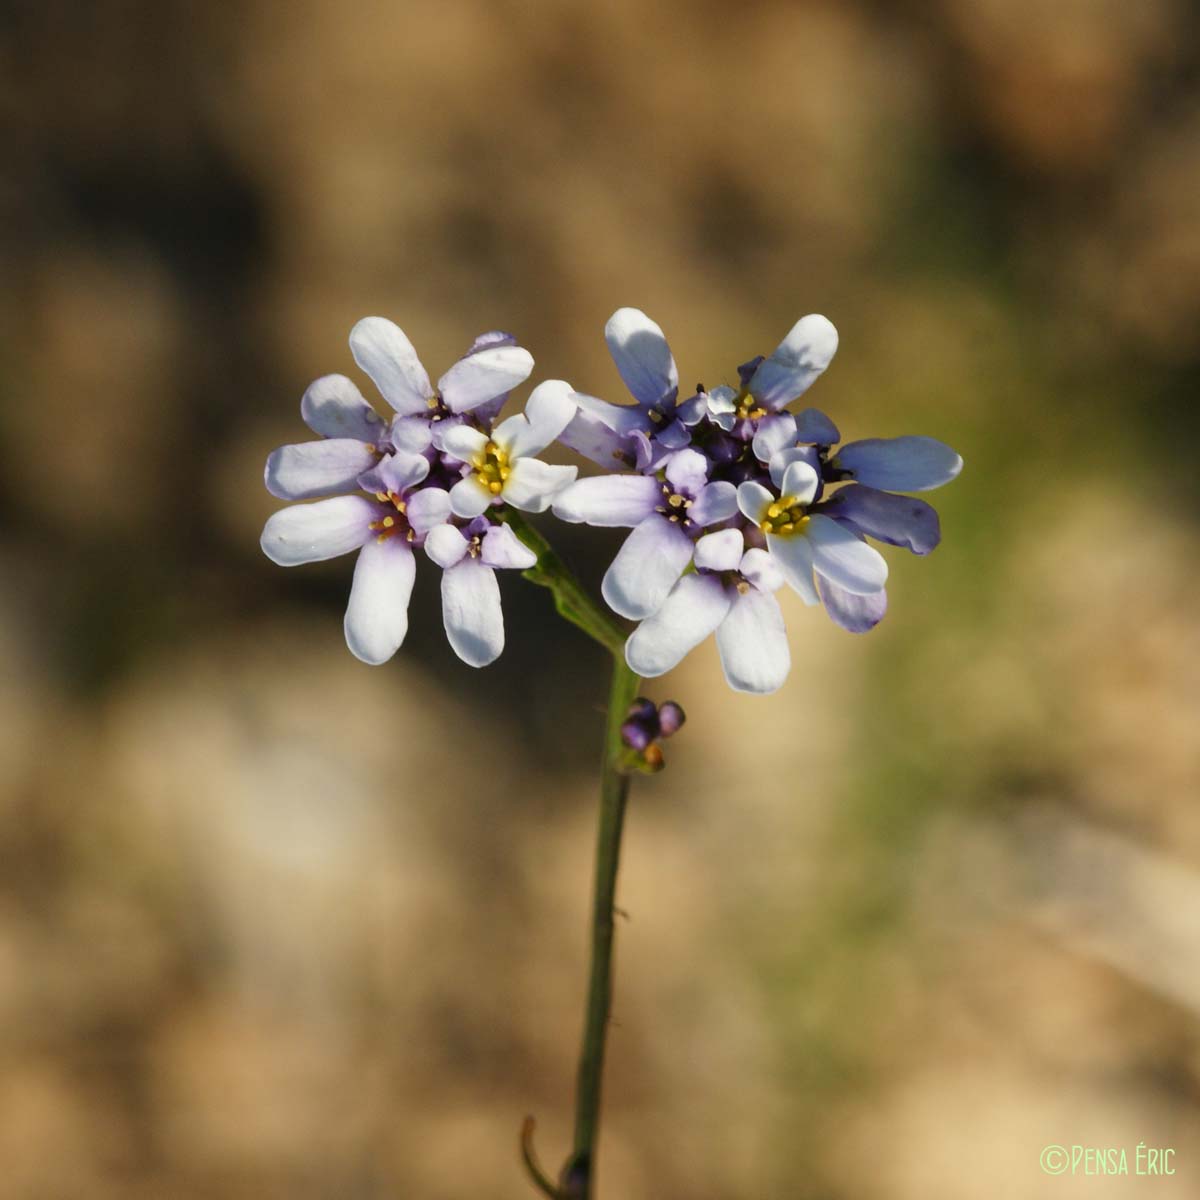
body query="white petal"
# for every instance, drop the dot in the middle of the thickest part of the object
(412, 434)
(795, 558)
(377, 615)
(903, 464)
(463, 442)
(774, 433)
(799, 482)
(395, 473)
(314, 532)
(642, 356)
(753, 644)
(695, 607)
(383, 350)
(586, 434)
(609, 500)
(843, 559)
(547, 414)
(533, 484)
(753, 499)
(469, 498)
(761, 570)
(646, 567)
(717, 502)
(318, 468)
(620, 418)
(782, 459)
(795, 363)
(446, 545)
(427, 508)
(334, 407)
(471, 612)
(720, 551)
(483, 376)
(502, 548)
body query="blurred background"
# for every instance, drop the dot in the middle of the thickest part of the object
(276, 924)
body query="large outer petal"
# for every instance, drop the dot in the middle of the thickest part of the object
(322, 468)
(377, 615)
(897, 520)
(547, 414)
(753, 644)
(653, 557)
(471, 612)
(843, 558)
(903, 464)
(383, 350)
(609, 500)
(795, 363)
(333, 407)
(484, 375)
(314, 532)
(533, 484)
(695, 607)
(794, 556)
(642, 356)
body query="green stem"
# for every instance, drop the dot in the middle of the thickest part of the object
(577, 1181)
(579, 1174)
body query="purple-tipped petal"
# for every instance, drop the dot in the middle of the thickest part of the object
(484, 375)
(716, 502)
(646, 567)
(795, 363)
(334, 408)
(814, 427)
(608, 500)
(322, 468)
(642, 356)
(886, 516)
(774, 433)
(753, 644)
(856, 614)
(308, 533)
(471, 612)
(377, 615)
(694, 608)
(384, 352)
(395, 473)
(502, 548)
(903, 464)
(687, 472)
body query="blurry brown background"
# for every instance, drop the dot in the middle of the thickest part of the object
(275, 924)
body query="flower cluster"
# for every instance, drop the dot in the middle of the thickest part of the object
(728, 496)
(731, 496)
(434, 477)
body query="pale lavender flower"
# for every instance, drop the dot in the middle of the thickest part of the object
(668, 510)
(389, 487)
(729, 593)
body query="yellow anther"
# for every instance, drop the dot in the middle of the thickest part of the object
(388, 522)
(381, 496)
(432, 402)
(491, 468)
(495, 487)
(400, 505)
(675, 500)
(773, 511)
(375, 525)
(505, 472)
(371, 448)
(743, 587)
(656, 416)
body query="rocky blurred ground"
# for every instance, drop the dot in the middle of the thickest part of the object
(274, 924)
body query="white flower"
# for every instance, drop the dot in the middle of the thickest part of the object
(729, 593)
(502, 467)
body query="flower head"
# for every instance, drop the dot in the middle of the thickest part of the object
(391, 488)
